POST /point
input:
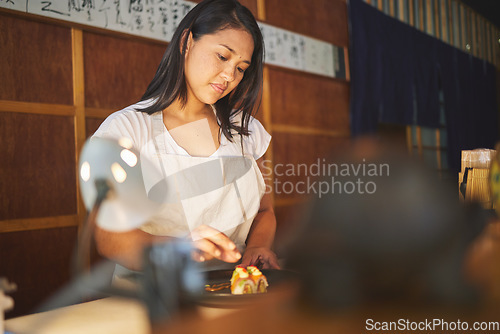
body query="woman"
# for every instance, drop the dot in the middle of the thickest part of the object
(197, 110)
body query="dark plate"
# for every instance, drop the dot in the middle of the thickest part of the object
(224, 298)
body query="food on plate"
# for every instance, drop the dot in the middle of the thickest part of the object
(248, 280)
(217, 287)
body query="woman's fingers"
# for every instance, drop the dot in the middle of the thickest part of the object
(214, 244)
(271, 263)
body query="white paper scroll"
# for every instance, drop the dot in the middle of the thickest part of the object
(158, 19)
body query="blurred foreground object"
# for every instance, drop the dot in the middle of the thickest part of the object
(404, 242)
(119, 166)
(6, 302)
(494, 181)
(123, 190)
(473, 178)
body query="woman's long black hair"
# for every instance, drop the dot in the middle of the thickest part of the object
(169, 82)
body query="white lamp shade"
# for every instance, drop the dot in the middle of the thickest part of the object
(127, 205)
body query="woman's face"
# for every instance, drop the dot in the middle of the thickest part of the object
(216, 63)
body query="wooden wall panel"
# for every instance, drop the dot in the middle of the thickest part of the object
(322, 19)
(91, 125)
(38, 262)
(289, 218)
(44, 51)
(298, 150)
(309, 100)
(37, 172)
(117, 70)
(295, 149)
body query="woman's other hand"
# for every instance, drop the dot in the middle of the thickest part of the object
(260, 257)
(211, 243)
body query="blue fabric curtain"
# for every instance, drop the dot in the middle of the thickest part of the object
(394, 65)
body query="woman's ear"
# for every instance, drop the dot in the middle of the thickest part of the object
(187, 37)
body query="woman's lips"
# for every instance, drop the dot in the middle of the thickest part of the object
(218, 88)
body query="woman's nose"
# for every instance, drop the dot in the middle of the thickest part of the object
(228, 73)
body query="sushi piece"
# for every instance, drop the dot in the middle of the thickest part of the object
(248, 280)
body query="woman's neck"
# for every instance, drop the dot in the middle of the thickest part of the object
(188, 112)
(195, 129)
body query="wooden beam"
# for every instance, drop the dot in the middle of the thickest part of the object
(79, 102)
(285, 128)
(37, 108)
(261, 10)
(27, 224)
(346, 64)
(267, 118)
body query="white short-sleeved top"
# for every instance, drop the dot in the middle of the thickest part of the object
(222, 191)
(140, 128)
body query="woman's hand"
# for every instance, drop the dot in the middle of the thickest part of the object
(260, 256)
(211, 243)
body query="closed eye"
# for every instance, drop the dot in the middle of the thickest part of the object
(241, 70)
(221, 57)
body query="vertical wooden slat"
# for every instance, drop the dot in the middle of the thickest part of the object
(266, 98)
(380, 5)
(489, 39)
(420, 15)
(449, 8)
(409, 140)
(401, 11)
(79, 104)
(491, 42)
(429, 17)
(482, 37)
(495, 45)
(411, 14)
(473, 30)
(419, 141)
(456, 24)
(436, 19)
(468, 30)
(445, 36)
(438, 150)
(391, 8)
(463, 39)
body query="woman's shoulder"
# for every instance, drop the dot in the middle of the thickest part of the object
(237, 117)
(258, 138)
(127, 122)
